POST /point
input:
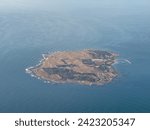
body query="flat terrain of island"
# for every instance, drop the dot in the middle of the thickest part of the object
(86, 67)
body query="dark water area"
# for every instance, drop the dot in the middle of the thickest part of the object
(29, 28)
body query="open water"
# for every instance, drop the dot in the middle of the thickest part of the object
(29, 28)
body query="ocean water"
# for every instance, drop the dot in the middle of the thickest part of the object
(29, 28)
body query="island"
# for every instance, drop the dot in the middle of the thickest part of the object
(86, 67)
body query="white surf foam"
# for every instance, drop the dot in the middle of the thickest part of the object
(123, 61)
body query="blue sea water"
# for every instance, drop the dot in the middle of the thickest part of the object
(29, 28)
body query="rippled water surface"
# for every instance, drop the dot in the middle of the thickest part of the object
(29, 28)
